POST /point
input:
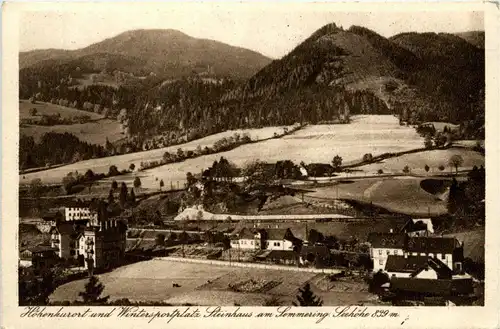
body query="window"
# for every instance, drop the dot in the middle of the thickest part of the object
(381, 262)
(380, 252)
(388, 252)
(443, 256)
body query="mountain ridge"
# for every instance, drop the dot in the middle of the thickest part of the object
(169, 53)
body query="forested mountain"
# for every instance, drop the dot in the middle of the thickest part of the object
(166, 53)
(450, 75)
(332, 74)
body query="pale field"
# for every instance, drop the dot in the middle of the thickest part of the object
(402, 195)
(94, 132)
(434, 158)
(375, 134)
(102, 165)
(152, 281)
(51, 109)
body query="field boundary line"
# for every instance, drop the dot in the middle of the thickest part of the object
(251, 265)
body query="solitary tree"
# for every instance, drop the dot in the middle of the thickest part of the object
(190, 179)
(427, 168)
(160, 239)
(92, 293)
(406, 169)
(123, 194)
(114, 185)
(132, 197)
(111, 197)
(161, 184)
(441, 167)
(367, 157)
(428, 142)
(306, 297)
(132, 167)
(137, 182)
(456, 161)
(113, 171)
(337, 162)
(33, 111)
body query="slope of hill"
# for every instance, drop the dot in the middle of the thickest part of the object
(168, 53)
(451, 74)
(473, 37)
(29, 58)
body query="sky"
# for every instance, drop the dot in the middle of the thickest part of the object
(270, 30)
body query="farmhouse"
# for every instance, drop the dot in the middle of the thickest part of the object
(418, 227)
(39, 257)
(268, 239)
(447, 250)
(383, 245)
(247, 239)
(421, 267)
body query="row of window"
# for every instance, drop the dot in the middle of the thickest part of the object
(395, 252)
(251, 242)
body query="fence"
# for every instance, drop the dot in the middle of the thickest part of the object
(248, 265)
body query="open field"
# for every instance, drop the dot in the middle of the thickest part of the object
(51, 109)
(473, 243)
(375, 134)
(402, 195)
(433, 158)
(123, 161)
(152, 281)
(91, 132)
(94, 132)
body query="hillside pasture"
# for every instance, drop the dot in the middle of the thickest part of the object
(376, 134)
(51, 109)
(405, 196)
(94, 132)
(433, 158)
(170, 173)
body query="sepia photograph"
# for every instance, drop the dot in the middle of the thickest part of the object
(233, 157)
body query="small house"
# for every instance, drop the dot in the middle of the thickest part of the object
(39, 257)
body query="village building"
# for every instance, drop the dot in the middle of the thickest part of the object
(264, 239)
(421, 267)
(95, 241)
(383, 245)
(447, 250)
(39, 257)
(418, 227)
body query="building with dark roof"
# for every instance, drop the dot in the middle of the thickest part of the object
(417, 267)
(98, 242)
(382, 245)
(269, 239)
(40, 257)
